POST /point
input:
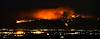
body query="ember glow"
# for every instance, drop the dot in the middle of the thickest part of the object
(53, 14)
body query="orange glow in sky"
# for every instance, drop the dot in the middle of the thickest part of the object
(51, 14)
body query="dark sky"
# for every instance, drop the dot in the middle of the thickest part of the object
(10, 8)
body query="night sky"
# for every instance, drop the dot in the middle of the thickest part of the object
(9, 8)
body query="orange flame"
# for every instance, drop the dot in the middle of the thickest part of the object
(52, 14)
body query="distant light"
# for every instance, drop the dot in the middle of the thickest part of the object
(30, 20)
(4, 29)
(62, 37)
(77, 32)
(6, 32)
(74, 33)
(47, 33)
(91, 33)
(60, 34)
(19, 21)
(66, 24)
(18, 35)
(37, 32)
(10, 29)
(77, 15)
(81, 30)
(72, 29)
(73, 16)
(43, 29)
(20, 32)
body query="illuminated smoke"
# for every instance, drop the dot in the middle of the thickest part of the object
(53, 14)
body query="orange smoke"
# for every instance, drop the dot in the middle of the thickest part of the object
(51, 14)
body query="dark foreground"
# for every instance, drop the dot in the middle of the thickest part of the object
(53, 35)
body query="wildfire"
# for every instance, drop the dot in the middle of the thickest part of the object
(53, 14)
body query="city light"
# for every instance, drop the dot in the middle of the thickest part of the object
(66, 24)
(72, 29)
(6, 32)
(20, 32)
(62, 37)
(18, 35)
(37, 32)
(73, 16)
(47, 33)
(73, 33)
(20, 21)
